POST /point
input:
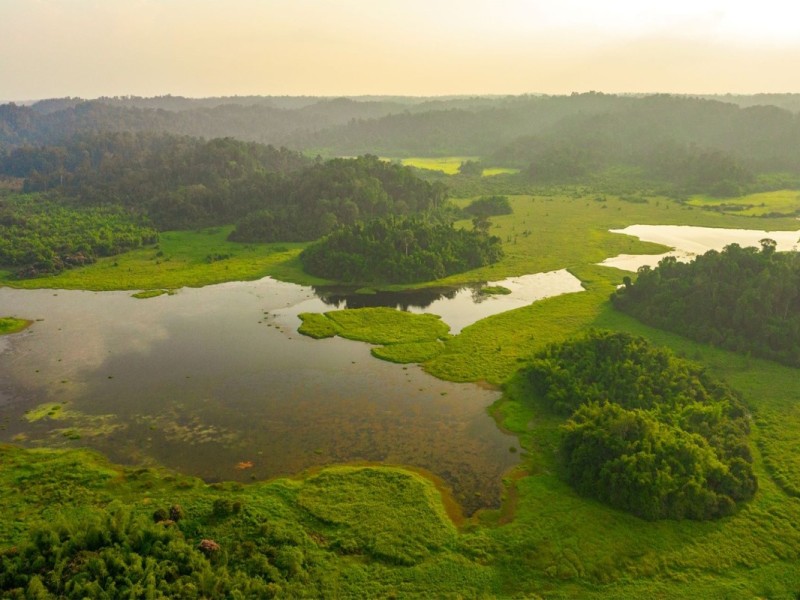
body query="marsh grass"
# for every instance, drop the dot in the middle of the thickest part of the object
(10, 325)
(145, 294)
(412, 352)
(494, 290)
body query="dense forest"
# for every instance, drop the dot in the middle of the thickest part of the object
(38, 236)
(183, 183)
(647, 432)
(743, 299)
(338, 192)
(176, 182)
(400, 251)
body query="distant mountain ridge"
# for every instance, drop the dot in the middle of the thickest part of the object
(760, 131)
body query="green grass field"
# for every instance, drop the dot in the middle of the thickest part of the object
(492, 171)
(447, 164)
(763, 203)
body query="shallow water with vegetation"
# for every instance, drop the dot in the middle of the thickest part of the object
(216, 382)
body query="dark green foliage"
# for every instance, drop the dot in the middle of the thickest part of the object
(40, 236)
(313, 202)
(471, 167)
(489, 206)
(399, 251)
(115, 554)
(178, 182)
(648, 432)
(742, 299)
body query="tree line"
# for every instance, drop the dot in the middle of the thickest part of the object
(742, 299)
(647, 432)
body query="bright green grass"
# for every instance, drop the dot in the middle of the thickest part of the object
(491, 349)
(145, 294)
(12, 325)
(780, 201)
(345, 500)
(412, 352)
(48, 410)
(446, 164)
(571, 229)
(492, 171)
(403, 337)
(182, 258)
(317, 326)
(449, 165)
(382, 325)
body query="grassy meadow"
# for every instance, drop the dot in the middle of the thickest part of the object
(180, 259)
(763, 203)
(449, 165)
(385, 532)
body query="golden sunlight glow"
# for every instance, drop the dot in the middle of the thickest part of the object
(211, 47)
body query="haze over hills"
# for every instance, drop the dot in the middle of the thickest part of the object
(565, 136)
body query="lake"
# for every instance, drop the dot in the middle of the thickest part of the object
(216, 382)
(689, 241)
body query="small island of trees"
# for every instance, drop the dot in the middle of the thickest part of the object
(399, 250)
(647, 432)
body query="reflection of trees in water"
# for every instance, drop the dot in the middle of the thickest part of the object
(347, 298)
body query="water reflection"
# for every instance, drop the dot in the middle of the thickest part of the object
(689, 241)
(213, 378)
(458, 307)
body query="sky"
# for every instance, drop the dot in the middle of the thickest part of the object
(91, 48)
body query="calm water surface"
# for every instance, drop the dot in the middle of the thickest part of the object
(210, 380)
(689, 241)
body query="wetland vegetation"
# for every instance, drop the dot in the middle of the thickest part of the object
(696, 492)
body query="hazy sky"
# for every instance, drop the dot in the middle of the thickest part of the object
(89, 48)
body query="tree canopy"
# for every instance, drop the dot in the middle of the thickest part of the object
(743, 299)
(399, 250)
(647, 432)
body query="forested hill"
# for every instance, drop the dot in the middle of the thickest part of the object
(176, 181)
(761, 132)
(179, 182)
(741, 298)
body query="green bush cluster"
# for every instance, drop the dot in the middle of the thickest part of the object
(489, 206)
(115, 553)
(647, 432)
